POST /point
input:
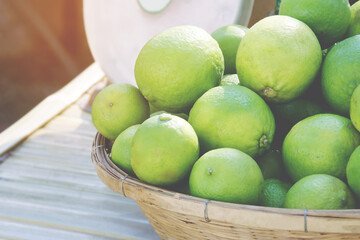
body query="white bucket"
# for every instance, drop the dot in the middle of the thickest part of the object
(118, 29)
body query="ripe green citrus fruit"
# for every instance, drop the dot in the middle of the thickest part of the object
(355, 108)
(228, 175)
(164, 149)
(329, 19)
(271, 165)
(234, 117)
(319, 191)
(117, 107)
(120, 151)
(278, 58)
(353, 172)
(229, 38)
(230, 79)
(321, 143)
(274, 193)
(177, 66)
(354, 26)
(340, 73)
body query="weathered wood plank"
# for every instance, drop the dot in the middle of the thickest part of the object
(9, 229)
(49, 107)
(74, 126)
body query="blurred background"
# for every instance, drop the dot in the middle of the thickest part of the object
(43, 46)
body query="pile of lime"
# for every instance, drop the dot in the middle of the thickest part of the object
(264, 116)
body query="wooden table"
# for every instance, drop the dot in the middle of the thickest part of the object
(48, 185)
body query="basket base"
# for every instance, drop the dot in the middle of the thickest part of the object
(174, 226)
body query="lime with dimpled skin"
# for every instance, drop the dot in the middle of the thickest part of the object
(177, 66)
(278, 58)
(235, 117)
(164, 149)
(227, 174)
(117, 107)
(320, 144)
(353, 172)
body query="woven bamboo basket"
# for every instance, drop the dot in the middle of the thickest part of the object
(179, 216)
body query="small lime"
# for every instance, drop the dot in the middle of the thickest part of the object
(117, 107)
(229, 38)
(274, 193)
(120, 151)
(228, 175)
(354, 26)
(319, 191)
(340, 73)
(329, 19)
(164, 149)
(355, 108)
(353, 171)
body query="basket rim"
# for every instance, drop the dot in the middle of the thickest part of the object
(106, 170)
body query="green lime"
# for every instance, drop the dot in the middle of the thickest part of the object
(355, 108)
(271, 165)
(230, 79)
(319, 191)
(340, 73)
(228, 175)
(120, 151)
(321, 143)
(353, 171)
(117, 107)
(177, 66)
(278, 58)
(329, 19)
(354, 26)
(229, 38)
(274, 193)
(164, 149)
(234, 117)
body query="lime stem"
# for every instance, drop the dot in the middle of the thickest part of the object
(263, 141)
(165, 117)
(269, 92)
